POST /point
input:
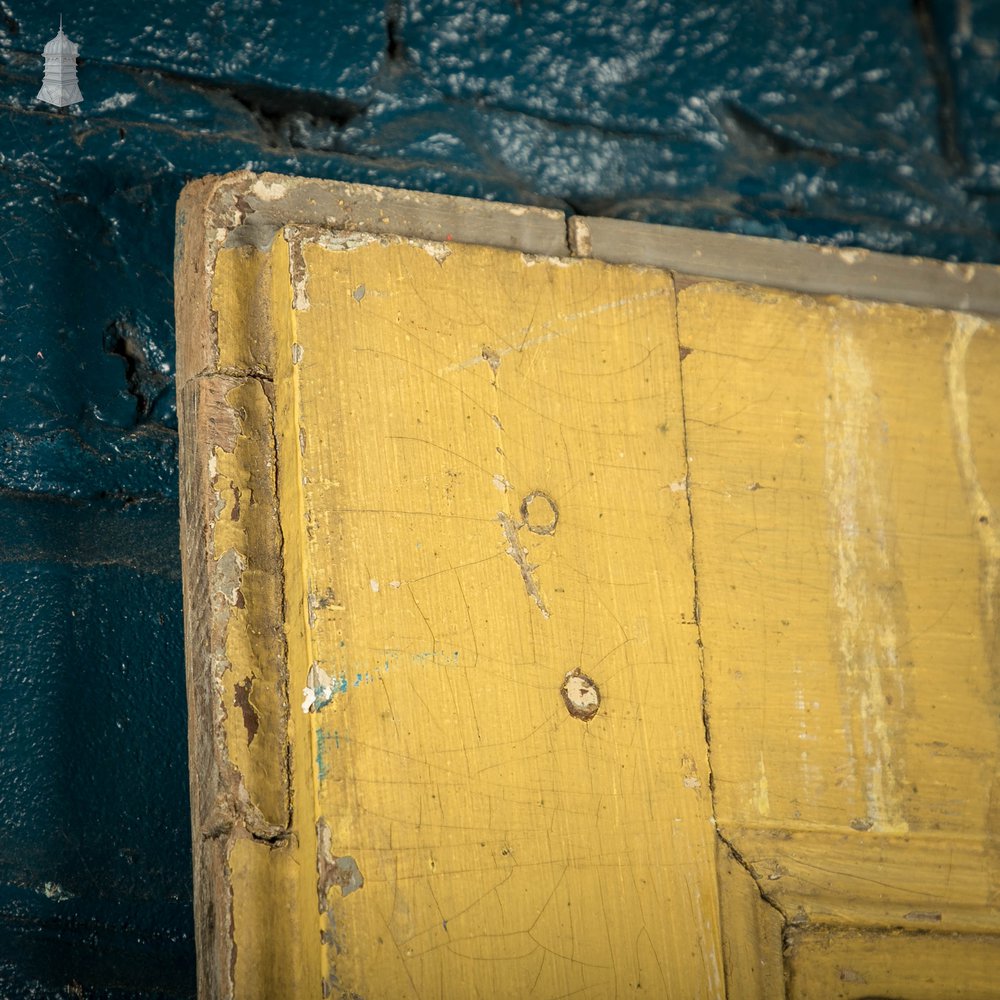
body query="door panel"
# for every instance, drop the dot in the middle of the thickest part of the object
(487, 449)
(847, 578)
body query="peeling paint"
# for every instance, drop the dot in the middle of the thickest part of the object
(332, 871)
(298, 274)
(241, 700)
(335, 872)
(520, 556)
(229, 574)
(320, 689)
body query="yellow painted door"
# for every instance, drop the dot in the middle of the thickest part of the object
(635, 637)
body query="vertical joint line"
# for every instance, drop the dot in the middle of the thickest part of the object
(696, 608)
(706, 722)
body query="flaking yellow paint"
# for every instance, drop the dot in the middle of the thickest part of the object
(252, 692)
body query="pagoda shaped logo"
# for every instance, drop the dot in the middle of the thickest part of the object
(59, 86)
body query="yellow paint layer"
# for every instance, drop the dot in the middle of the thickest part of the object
(847, 965)
(752, 932)
(500, 491)
(274, 937)
(841, 469)
(241, 307)
(486, 547)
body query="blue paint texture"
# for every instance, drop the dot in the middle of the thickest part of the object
(873, 125)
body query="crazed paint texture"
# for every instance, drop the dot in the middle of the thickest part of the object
(845, 600)
(473, 762)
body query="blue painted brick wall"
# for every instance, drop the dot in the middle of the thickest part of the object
(874, 125)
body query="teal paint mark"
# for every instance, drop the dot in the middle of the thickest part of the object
(323, 740)
(325, 687)
(321, 754)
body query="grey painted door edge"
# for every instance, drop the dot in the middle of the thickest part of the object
(245, 208)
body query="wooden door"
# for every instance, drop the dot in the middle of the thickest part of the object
(561, 628)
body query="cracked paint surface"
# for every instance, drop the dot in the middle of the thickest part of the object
(455, 774)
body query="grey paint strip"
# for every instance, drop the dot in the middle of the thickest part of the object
(798, 267)
(263, 204)
(252, 208)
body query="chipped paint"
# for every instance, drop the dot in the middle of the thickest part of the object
(438, 251)
(761, 798)
(690, 769)
(332, 872)
(298, 272)
(53, 890)
(322, 686)
(320, 689)
(342, 241)
(269, 190)
(581, 695)
(533, 260)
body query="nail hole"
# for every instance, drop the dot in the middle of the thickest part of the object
(581, 694)
(539, 513)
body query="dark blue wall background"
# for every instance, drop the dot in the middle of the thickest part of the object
(869, 124)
